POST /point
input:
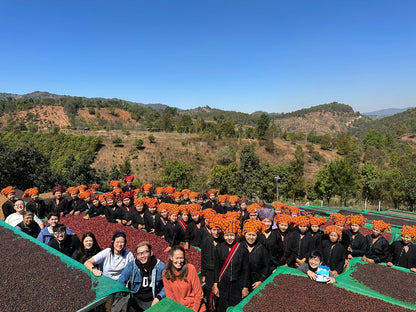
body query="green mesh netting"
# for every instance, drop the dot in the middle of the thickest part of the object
(168, 305)
(103, 286)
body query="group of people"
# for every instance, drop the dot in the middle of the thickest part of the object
(241, 243)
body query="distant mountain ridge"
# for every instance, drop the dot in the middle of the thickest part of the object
(386, 112)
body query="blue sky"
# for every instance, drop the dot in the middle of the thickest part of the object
(275, 56)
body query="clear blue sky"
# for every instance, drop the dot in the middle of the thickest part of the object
(275, 56)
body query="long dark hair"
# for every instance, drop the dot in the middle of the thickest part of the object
(116, 235)
(83, 254)
(170, 271)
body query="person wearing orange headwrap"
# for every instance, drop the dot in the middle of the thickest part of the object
(176, 198)
(252, 211)
(193, 197)
(185, 197)
(162, 219)
(35, 204)
(76, 205)
(233, 200)
(221, 204)
(195, 229)
(114, 184)
(211, 203)
(298, 243)
(259, 260)
(378, 249)
(129, 184)
(315, 233)
(358, 244)
(333, 251)
(96, 208)
(113, 212)
(403, 252)
(172, 227)
(159, 194)
(232, 271)
(151, 215)
(138, 215)
(127, 208)
(8, 206)
(169, 190)
(146, 188)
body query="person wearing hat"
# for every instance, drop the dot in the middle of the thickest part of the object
(211, 203)
(186, 200)
(195, 231)
(333, 251)
(58, 203)
(259, 259)
(232, 271)
(129, 186)
(298, 243)
(112, 212)
(159, 194)
(161, 220)
(283, 221)
(316, 233)
(151, 215)
(269, 238)
(146, 188)
(172, 227)
(403, 252)
(340, 221)
(138, 214)
(96, 209)
(8, 206)
(115, 184)
(358, 243)
(127, 208)
(378, 249)
(35, 204)
(28, 225)
(169, 190)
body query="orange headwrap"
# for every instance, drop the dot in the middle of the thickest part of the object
(151, 202)
(243, 200)
(184, 209)
(233, 199)
(230, 226)
(177, 195)
(128, 178)
(280, 206)
(300, 220)
(338, 219)
(209, 212)
(294, 209)
(195, 209)
(95, 186)
(147, 187)
(170, 189)
(253, 207)
(117, 191)
(101, 197)
(314, 220)
(193, 195)
(333, 228)
(82, 188)
(72, 190)
(356, 219)
(30, 192)
(162, 207)
(222, 198)
(381, 225)
(173, 209)
(160, 190)
(212, 191)
(115, 183)
(253, 226)
(186, 191)
(139, 201)
(8, 190)
(283, 218)
(408, 230)
(85, 194)
(214, 221)
(108, 196)
(235, 215)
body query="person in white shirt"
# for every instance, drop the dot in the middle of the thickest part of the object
(17, 217)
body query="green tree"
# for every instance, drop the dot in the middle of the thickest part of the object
(225, 155)
(138, 143)
(117, 141)
(263, 124)
(125, 167)
(177, 173)
(151, 138)
(225, 178)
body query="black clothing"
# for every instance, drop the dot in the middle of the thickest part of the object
(259, 262)
(399, 257)
(150, 220)
(33, 229)
(185, 202)
(126, 188)
(297, 247)
(96, 211)
(209, 204)
(68, 246)
(160, 225)
(333, 255)
(81, 256)
(112, 213)
(62, 207)
(208, 260)
(38, 208)
(244, 216)
(315, 240)
(358, 243)
(379, 251)
(235, 278)
(137, 218)
(171, 233)
(127, 213)
(220, 209)
(194, 235)
(8, 208)
(77, 204)
(274, 246)
(284, 238)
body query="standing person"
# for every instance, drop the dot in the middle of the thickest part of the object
(58, 203)
(258, 258)
(316, 233)
(88, 248)
(36, 205)
(358, 243)
(46, 234)
(232, 273)
(144, 275)
(333, 251)
(8, 206)
(403, 252)
(298, 243)
(129, 184)
(378, 249)
(243, 208)
(208, 252)
(151, 215)
(211, 203)
(283, 220)
(137, 214)
(28, 225)
(67, 244)
(195, 231)
(113, 260)
(182, 282)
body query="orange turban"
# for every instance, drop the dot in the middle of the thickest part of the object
(253, 207)
(193, 195)
(356, 219)
(139, 201)
(186, 191)
(151, 202)
(8, 190)
(170, 189)
(82, 188)
(294, 209)
(222, 198)
(117, 191)
(173, 209)
(381, 225)
(233, 199)
(279, 205)
(147, 187)
(209, 212)
(177, 195)
(243, 200)
(30, 192)
(195, 209)
(108, 196)
(184, 209)
(95, 186)
(115, 183)
(162, 206)
(214, 221)
(235, 215)
(85, 194)
(314, 220)
(333, 228)
(408, 230)
(128, 178)
(300, 220)
(212, 191)
(253, 226)
(338, 218)
(160, 190)
(72, 190)
(230, 226)
(283, 218)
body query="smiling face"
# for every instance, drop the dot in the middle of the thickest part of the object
(27, 220)
(376, 232)
(59, 236)
(355, 228)
(250, 237)
(229, 238)
(119, 244)
(88, 242)
(178, 259)
(164, 213)
(267, 223)
(314, 262)
(173, 217)
(19, 207)
(185, 217)
(406, 239)
(143, 254)
(74, 195)
(11, 196)
(314, 228)
(253, 216)
(53, 220)
(215, 232)
(283, 227)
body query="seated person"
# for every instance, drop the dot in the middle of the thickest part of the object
(67, 244)
(17, 217)
(28, 225)
(310, 268)
(46, 234)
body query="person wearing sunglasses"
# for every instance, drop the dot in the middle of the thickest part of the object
(143, 277)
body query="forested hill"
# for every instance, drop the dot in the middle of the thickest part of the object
(398, 125)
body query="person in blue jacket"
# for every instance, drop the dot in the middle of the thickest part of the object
(46, 234)
(144, 278)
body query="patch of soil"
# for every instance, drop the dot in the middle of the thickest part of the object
(387, 281)
(297, 293)
(39, 282)
(43, 116)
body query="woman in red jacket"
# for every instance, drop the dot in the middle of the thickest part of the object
(181, 281)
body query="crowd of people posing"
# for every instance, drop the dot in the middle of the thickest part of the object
(241, 243)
